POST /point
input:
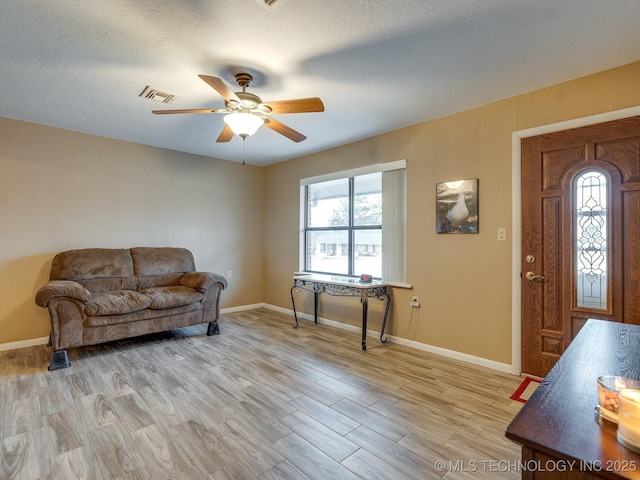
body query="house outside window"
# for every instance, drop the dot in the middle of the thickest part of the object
(354, 222)
(343, 227)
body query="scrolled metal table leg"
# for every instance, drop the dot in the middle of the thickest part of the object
(293, 304)
(383, 338)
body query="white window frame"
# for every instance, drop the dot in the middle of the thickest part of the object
(394, 201)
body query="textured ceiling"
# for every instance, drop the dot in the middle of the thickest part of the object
(378, 65)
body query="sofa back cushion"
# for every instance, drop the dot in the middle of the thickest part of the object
(161, 266)
(112, 269)
(96, 269)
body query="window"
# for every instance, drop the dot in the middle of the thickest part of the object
(344, 226)
(353, 222)
(591, 240)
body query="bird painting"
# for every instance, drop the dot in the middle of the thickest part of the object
(458, 213)
(457, 206)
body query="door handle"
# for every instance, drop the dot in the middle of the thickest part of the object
(532, 276)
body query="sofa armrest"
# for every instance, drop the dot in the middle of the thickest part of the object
(62, 288)
(201, 281)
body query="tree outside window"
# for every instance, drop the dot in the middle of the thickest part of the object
(343, 226)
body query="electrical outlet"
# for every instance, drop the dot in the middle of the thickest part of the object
(415, 302)
(229, 274)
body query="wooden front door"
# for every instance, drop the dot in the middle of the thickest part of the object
(580, 235)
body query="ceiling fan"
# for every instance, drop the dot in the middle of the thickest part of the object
(246, 112)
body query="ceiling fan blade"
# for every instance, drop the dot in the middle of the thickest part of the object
(191, 110)
(301, 105)
(219, 86)
(282, 129)
(226, 134)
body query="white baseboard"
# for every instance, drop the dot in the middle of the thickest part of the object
(242, 308)
(24, 343)
(463, 357)
(324, 321)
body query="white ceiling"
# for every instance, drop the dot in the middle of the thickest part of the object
(378, 65)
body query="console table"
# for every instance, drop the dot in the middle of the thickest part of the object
(344, 286)
(557, 427)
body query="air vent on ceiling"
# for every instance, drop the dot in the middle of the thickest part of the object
(158, 95)
(271, 4)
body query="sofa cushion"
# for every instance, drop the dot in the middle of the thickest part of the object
(139, 323)
(153, 281)
(117, 303)
(169, 297)
(92, 263)
(153, 261)
(109, 284)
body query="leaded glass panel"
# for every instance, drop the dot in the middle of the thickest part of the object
(591, 240)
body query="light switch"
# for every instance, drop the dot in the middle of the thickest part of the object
(502, 234)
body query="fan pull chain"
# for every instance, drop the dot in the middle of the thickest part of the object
(244, 149)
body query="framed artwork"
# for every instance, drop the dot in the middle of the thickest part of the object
(457, 206)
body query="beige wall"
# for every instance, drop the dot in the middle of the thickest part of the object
(463, 281)
(61, 190)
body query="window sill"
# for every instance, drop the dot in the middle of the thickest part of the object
(399, 285)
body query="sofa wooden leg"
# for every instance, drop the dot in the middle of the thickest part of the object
(213, 329)
(59, 359)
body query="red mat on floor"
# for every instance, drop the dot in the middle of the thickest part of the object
(525, 390)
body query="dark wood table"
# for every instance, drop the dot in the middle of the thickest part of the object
(557, 427)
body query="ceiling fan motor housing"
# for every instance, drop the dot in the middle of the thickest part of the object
(244, 79)
(249, 100)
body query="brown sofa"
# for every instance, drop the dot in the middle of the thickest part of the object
(96, 295)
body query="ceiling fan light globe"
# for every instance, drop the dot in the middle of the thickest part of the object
(243, 124)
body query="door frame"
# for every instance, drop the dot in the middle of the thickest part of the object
(516, 213)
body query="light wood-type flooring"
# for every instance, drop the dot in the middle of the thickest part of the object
(260, 401)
